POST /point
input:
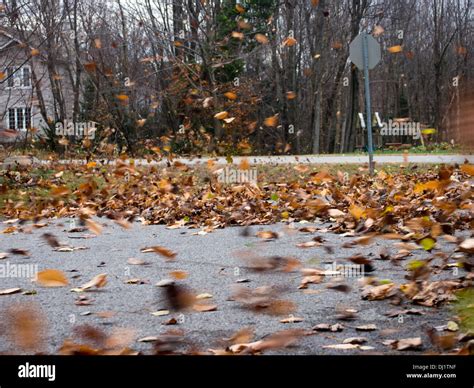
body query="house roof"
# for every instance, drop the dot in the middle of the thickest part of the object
(32, 40)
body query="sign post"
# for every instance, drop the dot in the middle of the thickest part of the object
(364, 52)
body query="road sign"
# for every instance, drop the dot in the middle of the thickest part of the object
(364, 52)
(356, 54)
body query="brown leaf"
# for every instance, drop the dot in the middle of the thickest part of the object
(165, 252)
(94, 227)
(267, 235)
(378, 292)
(369, 327)
(51, 240)
(409, 344)
(26, 327)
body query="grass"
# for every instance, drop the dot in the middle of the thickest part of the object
(40, 190)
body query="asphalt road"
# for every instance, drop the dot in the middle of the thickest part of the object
(213, 267)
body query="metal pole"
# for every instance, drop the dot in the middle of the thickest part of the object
(367, 103)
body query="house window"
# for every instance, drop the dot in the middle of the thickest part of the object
(19, 118)
(19, 78)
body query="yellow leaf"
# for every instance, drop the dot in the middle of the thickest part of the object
(428, 243)
(356, 211)
(51, 278)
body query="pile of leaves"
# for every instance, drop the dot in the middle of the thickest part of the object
(426, 204)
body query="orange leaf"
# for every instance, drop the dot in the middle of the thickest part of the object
(51, 278)
(239, 8)
(468, 169)
(271, 121)
(237, 35)
(290, 41)
(231, 95)
(59, 191)
(260, 38)
(395, 49)
(179, 275)
(122, 97)
(244, 164)
(430, 185)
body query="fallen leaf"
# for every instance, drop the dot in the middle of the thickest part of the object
(51, 278)
(165, 252)
(98, 281)
(369, 327)
(204, 307)
(160, 313)
(10, 291)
